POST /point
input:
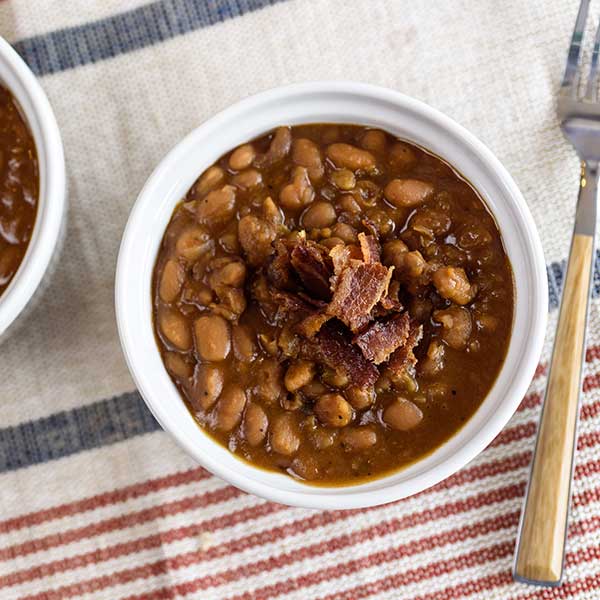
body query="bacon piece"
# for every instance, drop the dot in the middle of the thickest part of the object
(308, 261)
(333, 346)
(358, 288)
(382, 338)
(370, 248)
(280, 271)
(390, 302)
(404, 357)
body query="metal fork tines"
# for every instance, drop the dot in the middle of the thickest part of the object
(541, 540)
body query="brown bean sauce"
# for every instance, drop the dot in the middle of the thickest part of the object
(332, 302)
(19, 184)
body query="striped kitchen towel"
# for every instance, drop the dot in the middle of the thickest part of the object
(96, 501)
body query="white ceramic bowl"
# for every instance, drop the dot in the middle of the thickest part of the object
(42, 251)
(342, 102)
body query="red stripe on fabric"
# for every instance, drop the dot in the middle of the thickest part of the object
(468, 588)
(321, 519)
(143, 544)
(504, 578)
(101, 500)
(476, 586)
(115, 523)
(285, 559)
(269, 536)
(350, 567)
(341, 542)
(592, 353)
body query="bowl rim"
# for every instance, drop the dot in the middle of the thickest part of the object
(31, 98)
(352, 496)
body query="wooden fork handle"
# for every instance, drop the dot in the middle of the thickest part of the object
(541, 540)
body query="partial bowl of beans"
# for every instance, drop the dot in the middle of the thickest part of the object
(331, 295)
(32, 188)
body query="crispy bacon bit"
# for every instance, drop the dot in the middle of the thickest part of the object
(340, 257)
(382, 338)
(279, 270)
(334, 347)
(390, 302)
(370, 248)
(404, 357)
(358, 288)
(309, 262)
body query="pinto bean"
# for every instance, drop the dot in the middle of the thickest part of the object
(216, 207)
(171, 281)
(333, 410)
(230, 407)
(402, 157)
(345, 232)
(213, 337)
(269, 377)
(255, 236)
(208, 385)
(433, 362)
(177, 365)
(193, 242)
(402, 414)
(457, 326)
(407, 192)
(299, 192)
(345, 156)
(247, 179)
(343, 179)
(319, 215)
(285, 438)
(453, 284)
(322, 438)
(360, 397)
(373, 140)
(227, 271)
(357, 438)
(393, 252)
(306, 467)
(244, 348)
(307, 154)
(174, 328)
(431, 222)
(242, 157)
(349, 205)
(279, 148)
(298, 374)
(255, 424)
(209, 180)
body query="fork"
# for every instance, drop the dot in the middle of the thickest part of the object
(540, 547)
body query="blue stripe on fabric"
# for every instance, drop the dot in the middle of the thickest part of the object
(119, 34)
(69, 432)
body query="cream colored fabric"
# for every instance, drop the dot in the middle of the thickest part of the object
(495, 68)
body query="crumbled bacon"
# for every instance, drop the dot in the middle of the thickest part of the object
(309, 263)
(358, 288)
(279, 270)
(390, 302)
(382, 338)
(369, 246)
(334, 347)
(404, 357)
